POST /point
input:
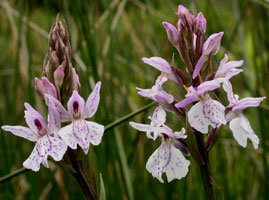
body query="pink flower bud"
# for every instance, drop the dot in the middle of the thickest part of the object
(172, 33)
(59, 76)
(76, 83)
(38, 87)
(212, 44)
(186, 18)
(200, 24)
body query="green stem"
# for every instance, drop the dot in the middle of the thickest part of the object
(13, 174)
(205, 168)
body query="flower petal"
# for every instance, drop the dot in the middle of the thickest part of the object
(22, 131)
(45, 146)
(227, 86)
(34, 160)
(159, 115)
(242, 131)
(167, 159)
(228, 69)
(248, 102)
(186, 101)
(140, 127)
(75, 105)
(96, 132)
(92, 101)
(207, 86)
(209, 112)
(199, 65)
(33, 119)
(64, 115)
(54, 120)
(162, 65)
(66, 133)
(178, 167)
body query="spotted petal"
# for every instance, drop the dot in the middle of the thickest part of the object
(96, 132)
(93, 101)
(167, 159)
(66, 133)
(242, 130)
(209, 112)
(45, 146)
(22, 131)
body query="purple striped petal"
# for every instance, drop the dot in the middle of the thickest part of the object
(167, 159)
(247, 102)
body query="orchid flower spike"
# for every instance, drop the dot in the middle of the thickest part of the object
(239, 123)
(41, 133)
(227, 70)
(211, 47)
(207, 111)
(156, 93)
(167, 158)
(80, 131)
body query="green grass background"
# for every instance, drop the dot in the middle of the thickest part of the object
(108, 39)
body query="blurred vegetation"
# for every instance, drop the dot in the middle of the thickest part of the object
(108, 39)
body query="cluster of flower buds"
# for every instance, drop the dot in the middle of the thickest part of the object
(202, 113)
(59, 85)
(57, 64)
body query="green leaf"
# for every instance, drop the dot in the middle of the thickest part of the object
(102, 195)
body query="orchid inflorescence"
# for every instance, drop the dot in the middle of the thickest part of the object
(206, 114)
(55, 88)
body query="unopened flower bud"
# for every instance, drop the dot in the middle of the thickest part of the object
(59, 76)
(186, 18)
(172, 33)
(212, 44)
(200, 24)
(76, 83)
